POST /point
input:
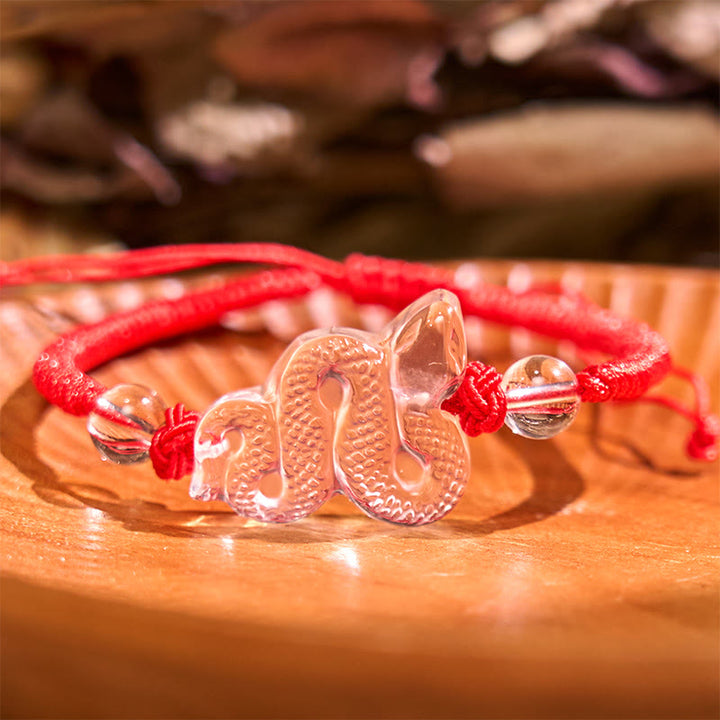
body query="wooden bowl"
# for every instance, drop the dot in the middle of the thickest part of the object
(578, 577)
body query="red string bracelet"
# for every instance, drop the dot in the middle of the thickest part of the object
(376, 417)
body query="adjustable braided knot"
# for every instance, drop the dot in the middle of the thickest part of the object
(702, 444)
(479, 402)
(613, 381)
(171, 450)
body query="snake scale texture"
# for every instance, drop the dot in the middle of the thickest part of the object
(315, 447)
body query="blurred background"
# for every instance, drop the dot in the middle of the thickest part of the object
(583, 129)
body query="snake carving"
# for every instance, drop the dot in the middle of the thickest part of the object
(346, 411)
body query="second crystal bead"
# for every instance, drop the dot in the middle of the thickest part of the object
(542, 396)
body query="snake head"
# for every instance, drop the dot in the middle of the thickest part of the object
(427, 349)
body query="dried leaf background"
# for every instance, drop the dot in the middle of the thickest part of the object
(574, 128)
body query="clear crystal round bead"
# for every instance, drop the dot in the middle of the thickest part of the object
(542, 396)
(123, 422)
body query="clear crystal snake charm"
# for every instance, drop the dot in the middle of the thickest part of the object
(350, 412)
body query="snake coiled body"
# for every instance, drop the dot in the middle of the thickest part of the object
(316, 449)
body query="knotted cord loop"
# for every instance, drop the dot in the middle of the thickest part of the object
(479, 402)
(171, 451)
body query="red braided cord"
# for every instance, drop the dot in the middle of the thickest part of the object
(642, 357)
(59, 371)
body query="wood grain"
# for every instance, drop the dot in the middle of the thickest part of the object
(578, 577)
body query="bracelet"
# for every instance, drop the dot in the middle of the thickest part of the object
(378, 417)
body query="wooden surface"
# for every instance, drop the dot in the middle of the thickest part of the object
(578, 577)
